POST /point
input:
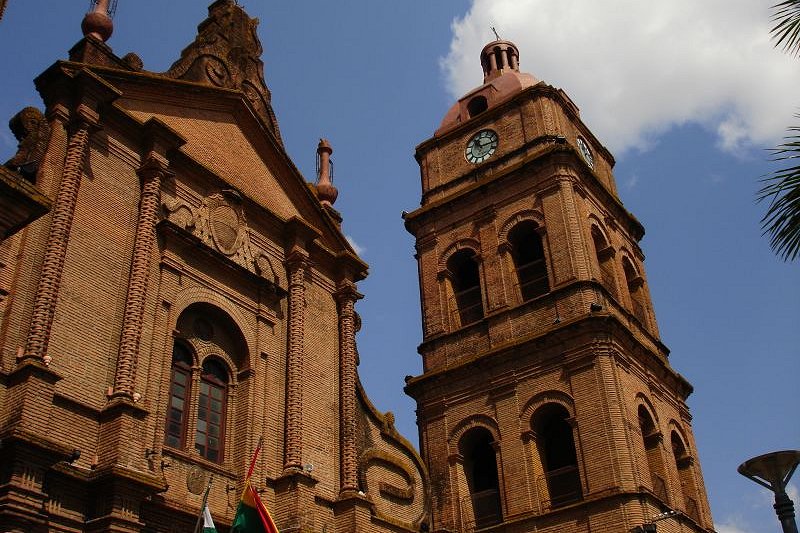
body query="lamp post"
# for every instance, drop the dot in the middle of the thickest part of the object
(773, 471)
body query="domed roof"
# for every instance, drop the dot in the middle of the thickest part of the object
(501, 80)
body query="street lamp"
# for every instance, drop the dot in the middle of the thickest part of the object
(773, 471)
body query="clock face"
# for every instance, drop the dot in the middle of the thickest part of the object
(585, 152)
(481, 146)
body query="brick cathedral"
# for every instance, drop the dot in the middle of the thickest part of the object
(173, 290)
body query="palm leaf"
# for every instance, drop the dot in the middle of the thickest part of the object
(786, 32)
(782, 189)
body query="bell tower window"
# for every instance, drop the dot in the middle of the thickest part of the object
(528, 255)
(465, 277)
(605, 260)
(480, 467)
(683, 461)
(651, 438)
(558, 455)
(635, 282)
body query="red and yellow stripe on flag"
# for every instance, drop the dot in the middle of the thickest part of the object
(251, 515)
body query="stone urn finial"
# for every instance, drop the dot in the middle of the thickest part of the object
(326, 192)
(97, 21)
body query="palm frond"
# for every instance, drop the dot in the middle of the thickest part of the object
(786, 16)
(782, 189)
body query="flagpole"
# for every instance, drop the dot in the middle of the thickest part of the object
(203, 505)
(253, 461)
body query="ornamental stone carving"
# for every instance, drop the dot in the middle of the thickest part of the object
(31, 129)
(219, 222)
(227, 53)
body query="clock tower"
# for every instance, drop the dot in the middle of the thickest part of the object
(547, 401)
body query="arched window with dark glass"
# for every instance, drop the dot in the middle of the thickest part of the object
(179, 393)
(605, 260)
(465, 277)
(651, 438)
(558, 454)
(683, 462)
(527, 252)
(480, 468)
(635, 283)
(212, 403)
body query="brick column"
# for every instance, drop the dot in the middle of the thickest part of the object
(346, 296)
(152, 172)
(44, 305)
(296, 264)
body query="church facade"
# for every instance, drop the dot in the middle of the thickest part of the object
(189, 295)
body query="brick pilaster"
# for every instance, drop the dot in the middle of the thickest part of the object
(296, 264)
(152, 172)
(63, 212)
(346, 297)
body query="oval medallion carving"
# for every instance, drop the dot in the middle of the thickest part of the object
(225, 228)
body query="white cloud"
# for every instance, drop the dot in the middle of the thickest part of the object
(727, 527)
(636, 69)
(793, 493)
(358, 249)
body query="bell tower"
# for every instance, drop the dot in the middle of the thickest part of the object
(547, 401)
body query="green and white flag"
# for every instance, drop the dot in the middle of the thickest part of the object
(208, 522)
(205, 524)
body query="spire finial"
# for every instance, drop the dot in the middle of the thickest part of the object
(326, 192)
(496, 34)
(97, 21)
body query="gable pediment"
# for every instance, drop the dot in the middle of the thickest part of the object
(227, 53)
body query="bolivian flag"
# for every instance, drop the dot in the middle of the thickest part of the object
(251, 515)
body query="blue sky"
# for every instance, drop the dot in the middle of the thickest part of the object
(688, 96)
